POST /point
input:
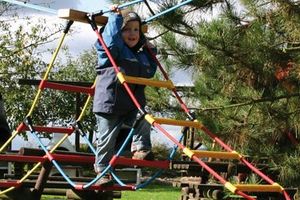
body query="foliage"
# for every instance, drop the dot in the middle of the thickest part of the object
(246, 71)
(19, 60)
(23, 48)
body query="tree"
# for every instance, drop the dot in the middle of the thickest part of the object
(246, 72)
(22, 51)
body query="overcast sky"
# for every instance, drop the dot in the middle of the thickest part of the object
(85, 5)
(83, 37)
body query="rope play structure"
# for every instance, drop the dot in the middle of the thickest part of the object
(51, 158)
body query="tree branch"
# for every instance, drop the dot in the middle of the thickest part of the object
(41, 41)
(157, 36)
(254, 101)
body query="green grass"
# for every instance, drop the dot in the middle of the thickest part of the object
(151, 192)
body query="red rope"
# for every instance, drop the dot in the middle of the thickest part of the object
(200, 162)
(182, 104)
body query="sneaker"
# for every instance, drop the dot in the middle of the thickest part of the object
(105, 181)
(143, 155)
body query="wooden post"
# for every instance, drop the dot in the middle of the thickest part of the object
(42, 180)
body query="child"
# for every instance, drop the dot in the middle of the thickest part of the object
(112, 105)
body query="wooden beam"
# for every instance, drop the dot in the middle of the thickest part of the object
(80, 16)
(258, 188)
(216, 154)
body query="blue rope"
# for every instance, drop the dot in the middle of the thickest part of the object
(167, 11)
(157, 174)
(171, 156)
(28, 5)
(88, 142)
(121, 183)
(92, 182)
(53, 11)
(53, 161)
(124, 5)
(97, 177)
(130, 134)
(109, 167)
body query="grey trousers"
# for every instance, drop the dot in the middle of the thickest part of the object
(108, 128)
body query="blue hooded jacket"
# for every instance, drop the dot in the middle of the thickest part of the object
(110, 95)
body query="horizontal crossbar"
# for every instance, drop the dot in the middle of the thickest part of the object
(259, 188)
(193, 124)
(66, 87)
(216, 154)
(145, 81)
(49, 129)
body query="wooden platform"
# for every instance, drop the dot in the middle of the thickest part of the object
(80, 16)
(197, 191)
(217, 166)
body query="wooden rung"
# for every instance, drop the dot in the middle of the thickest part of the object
(145, 81)
(80, 16)
(68, 130)
(259, 188)
(193, 124)
(217, 154)
(7, 184)
(69, 88)
(57, 157)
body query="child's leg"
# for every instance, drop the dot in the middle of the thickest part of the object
(108, 127)
(141, 139)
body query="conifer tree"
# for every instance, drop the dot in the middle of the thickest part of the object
(246, 70)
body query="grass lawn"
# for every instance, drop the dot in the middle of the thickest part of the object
(151, 192)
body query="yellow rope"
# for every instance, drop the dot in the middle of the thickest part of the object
(47, 73)
(15, 133)
(8, 141)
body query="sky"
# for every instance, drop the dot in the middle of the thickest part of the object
(84, 5)
(83, 37)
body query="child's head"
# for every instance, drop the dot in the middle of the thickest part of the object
(131, 29)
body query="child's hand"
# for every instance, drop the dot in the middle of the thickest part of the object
(115, 8)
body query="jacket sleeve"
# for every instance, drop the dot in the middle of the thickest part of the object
(113, 39)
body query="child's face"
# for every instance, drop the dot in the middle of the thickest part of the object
(131, 33)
